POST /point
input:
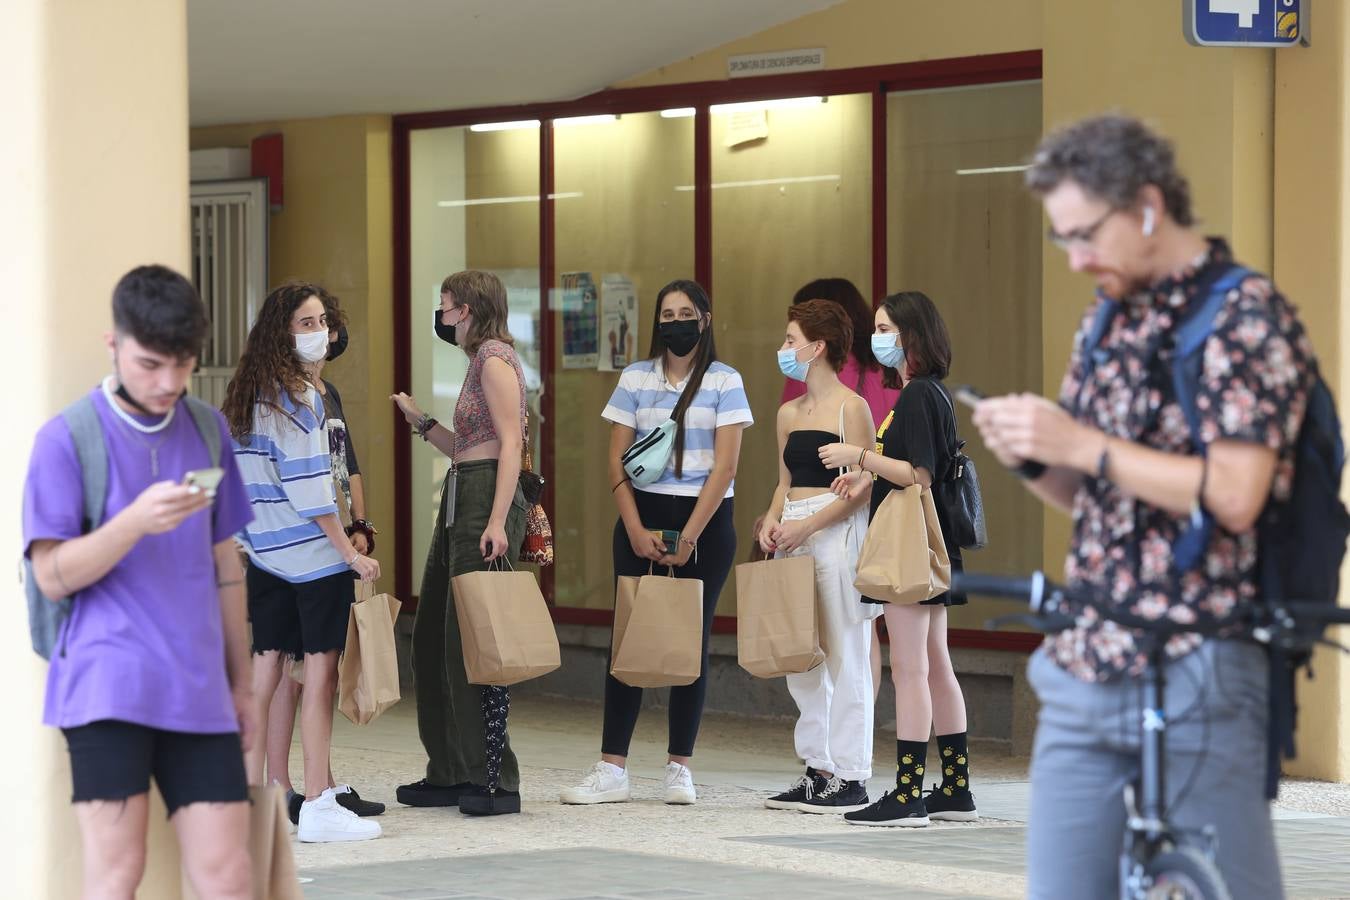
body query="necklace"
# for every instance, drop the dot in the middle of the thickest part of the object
(136, 429)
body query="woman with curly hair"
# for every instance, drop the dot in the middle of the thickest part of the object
(301, 562)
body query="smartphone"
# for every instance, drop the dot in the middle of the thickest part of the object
(968, 395)
(670, 538)
(207, 480)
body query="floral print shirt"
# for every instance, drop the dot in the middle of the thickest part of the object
(1257, 369)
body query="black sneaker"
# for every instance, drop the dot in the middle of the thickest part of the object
(804, 788)
(889, 811)
(424, 793)
(839, 796)
(951, 805)
(350, 800)
(476, 801)
(293, 803)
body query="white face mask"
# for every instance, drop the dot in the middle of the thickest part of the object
(311, 346)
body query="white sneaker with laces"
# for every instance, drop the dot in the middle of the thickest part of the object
(679, 785)
(604, 783)
(323, 821)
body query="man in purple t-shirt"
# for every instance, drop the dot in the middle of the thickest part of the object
(150, 675)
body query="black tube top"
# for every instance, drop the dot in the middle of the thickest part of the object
(801, 455)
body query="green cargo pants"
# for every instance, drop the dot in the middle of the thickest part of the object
(449, 709)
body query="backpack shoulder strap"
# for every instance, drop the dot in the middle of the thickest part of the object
(1190, 339)
(86, 432)
(1096, 333)
(204, 417)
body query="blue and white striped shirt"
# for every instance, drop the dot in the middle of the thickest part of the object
(644, 398)
(288, 473)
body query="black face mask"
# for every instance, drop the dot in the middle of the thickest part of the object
(445, 332)
(136, 404)
(337, 347)
(680, 336)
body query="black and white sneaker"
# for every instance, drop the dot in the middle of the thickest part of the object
(951, 805)
(891, 811)
(804, 788)
(839, 796)
(350, 800)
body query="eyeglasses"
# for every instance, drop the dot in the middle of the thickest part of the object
(1081, 237)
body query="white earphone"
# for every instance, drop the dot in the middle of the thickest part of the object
(1148, 221)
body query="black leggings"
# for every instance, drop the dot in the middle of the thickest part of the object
(716, 553)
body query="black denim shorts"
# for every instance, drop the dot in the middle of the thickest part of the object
(113, 760)
(302, 617)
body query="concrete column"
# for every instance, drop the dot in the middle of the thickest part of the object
(1311, 250)
(95, 181)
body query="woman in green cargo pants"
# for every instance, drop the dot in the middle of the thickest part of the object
(481, 519)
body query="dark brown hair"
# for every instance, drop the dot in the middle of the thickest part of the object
(1111, 157)
(269, 365)
(485, 296)
(824, 320)
(847, 295)
(923, 334)
(705, 354)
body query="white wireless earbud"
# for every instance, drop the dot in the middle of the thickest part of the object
(1148, 221)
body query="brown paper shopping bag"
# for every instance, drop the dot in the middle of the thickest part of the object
(368, 671)
(505, 627)
(777, 622)
(658, 631)
(904, 559)
(274, 876)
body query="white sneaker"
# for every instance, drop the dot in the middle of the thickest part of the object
(604, 783)
(323, 821)
(679, 785)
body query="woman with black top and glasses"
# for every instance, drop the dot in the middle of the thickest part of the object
(693, 497)
(914, 446)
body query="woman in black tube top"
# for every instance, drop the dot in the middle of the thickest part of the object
(834, 731)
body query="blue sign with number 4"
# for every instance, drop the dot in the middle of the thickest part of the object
(1246, 23)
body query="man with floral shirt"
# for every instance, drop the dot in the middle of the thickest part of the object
(1118, 453)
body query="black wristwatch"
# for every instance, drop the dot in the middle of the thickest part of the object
(424, 425)
(1029, 470)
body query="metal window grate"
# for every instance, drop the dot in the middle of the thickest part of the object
(229, 270)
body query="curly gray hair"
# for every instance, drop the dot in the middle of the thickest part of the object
(1111, 156)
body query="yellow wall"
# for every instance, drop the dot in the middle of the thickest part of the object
(90, 191)
(1311, 247)
(335, 228)
(877, 33)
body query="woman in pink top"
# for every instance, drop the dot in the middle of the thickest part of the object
(861, 373)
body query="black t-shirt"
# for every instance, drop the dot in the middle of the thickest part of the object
(921, 430)
(332, 402)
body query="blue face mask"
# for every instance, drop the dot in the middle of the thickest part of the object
(887, 350)
(792, 367)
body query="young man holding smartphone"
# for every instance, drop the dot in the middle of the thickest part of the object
(150, 673)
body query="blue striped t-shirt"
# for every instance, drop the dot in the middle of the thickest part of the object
(644, 398)
(287, 471)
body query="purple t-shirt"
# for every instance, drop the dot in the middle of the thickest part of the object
(144, 644)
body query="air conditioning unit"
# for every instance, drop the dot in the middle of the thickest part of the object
(220, 163)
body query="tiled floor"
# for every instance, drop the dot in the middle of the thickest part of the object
(583, 874)
(1312, 851)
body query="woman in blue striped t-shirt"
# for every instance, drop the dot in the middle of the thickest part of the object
(683, 380)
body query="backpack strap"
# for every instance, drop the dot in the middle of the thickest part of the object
(1191, 336)
(86, 432)
(1092, 354)
(204, 417)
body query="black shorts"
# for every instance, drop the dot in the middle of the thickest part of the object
(113, 760)
(299, 618)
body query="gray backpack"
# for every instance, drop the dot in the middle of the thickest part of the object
(47, 617)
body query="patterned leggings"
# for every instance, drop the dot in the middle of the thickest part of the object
(496, 707)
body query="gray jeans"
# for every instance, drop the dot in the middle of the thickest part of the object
(1087, 745)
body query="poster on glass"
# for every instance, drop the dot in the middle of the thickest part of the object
(581, 321)
(618, 323)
